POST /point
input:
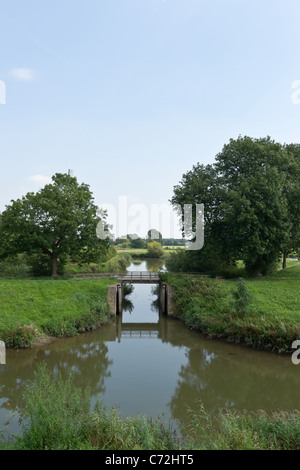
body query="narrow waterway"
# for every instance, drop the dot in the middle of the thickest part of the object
(150, 364)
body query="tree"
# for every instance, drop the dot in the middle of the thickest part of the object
(291, 243)
(137, 243)
(154, 250)
(246, 203)
(154, 235)
(61, 219)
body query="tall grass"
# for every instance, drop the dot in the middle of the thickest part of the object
(235, 430)
(58, 416)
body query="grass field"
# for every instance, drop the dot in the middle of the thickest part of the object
(271, 321)
(30, 308)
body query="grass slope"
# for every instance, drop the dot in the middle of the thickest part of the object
(272, 320)
(53, 307)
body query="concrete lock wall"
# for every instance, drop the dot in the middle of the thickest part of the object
(167, 305)
(162, 298)
(170, 305)
(114, 298)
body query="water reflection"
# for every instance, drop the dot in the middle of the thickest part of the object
(149, 264)
(148, 363)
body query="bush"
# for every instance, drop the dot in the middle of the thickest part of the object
(117, 263)
(182, 261)
(242, 298)
(41, 265)
(14, 268)
(154, 250)
(264, 265)
(19, 336)
(56, 413)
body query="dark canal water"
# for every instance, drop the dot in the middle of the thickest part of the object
(149, 364)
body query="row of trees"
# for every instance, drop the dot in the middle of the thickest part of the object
(251, 198)
(132, 240)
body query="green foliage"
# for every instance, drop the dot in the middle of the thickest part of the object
(242, 298)
(58, 416)
(57, 413)
(154, 236)
(234, 430)
(271, 320)
(117, 263)
(204, 261)
(14, 267)
(251, 198)
(58, 220)
(137, 243)
(154, 250)
(57, 308)
(18, 336)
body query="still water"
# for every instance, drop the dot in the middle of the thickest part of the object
(150, 364)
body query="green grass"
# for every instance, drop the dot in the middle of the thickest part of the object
(30, 308)
(58, 416)
(272, 320)
(236, 430)
(142, 252)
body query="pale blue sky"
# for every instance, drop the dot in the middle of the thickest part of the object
(130, 94)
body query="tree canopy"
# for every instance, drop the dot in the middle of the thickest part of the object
(58, 220)
(251, 202)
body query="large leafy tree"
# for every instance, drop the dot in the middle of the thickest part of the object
(58, 220)
(247, 202)
(291, 242)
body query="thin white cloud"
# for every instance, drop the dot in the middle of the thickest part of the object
(40, 179)
(24, 75)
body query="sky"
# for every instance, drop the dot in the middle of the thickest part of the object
(130, 94)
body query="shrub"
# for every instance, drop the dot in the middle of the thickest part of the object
(41, 265)
(14, 268)
(19, 336)
(242, 298)
(154, 250)
(56, 413)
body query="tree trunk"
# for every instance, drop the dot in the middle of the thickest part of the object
(284, 260)
(54, 264)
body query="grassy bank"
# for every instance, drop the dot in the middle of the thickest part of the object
(143, 252)
(58, 416)
(270, 321)
(33, 308)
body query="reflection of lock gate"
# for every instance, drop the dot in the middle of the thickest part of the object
(2, 353)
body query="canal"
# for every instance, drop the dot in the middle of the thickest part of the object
(146, 363)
